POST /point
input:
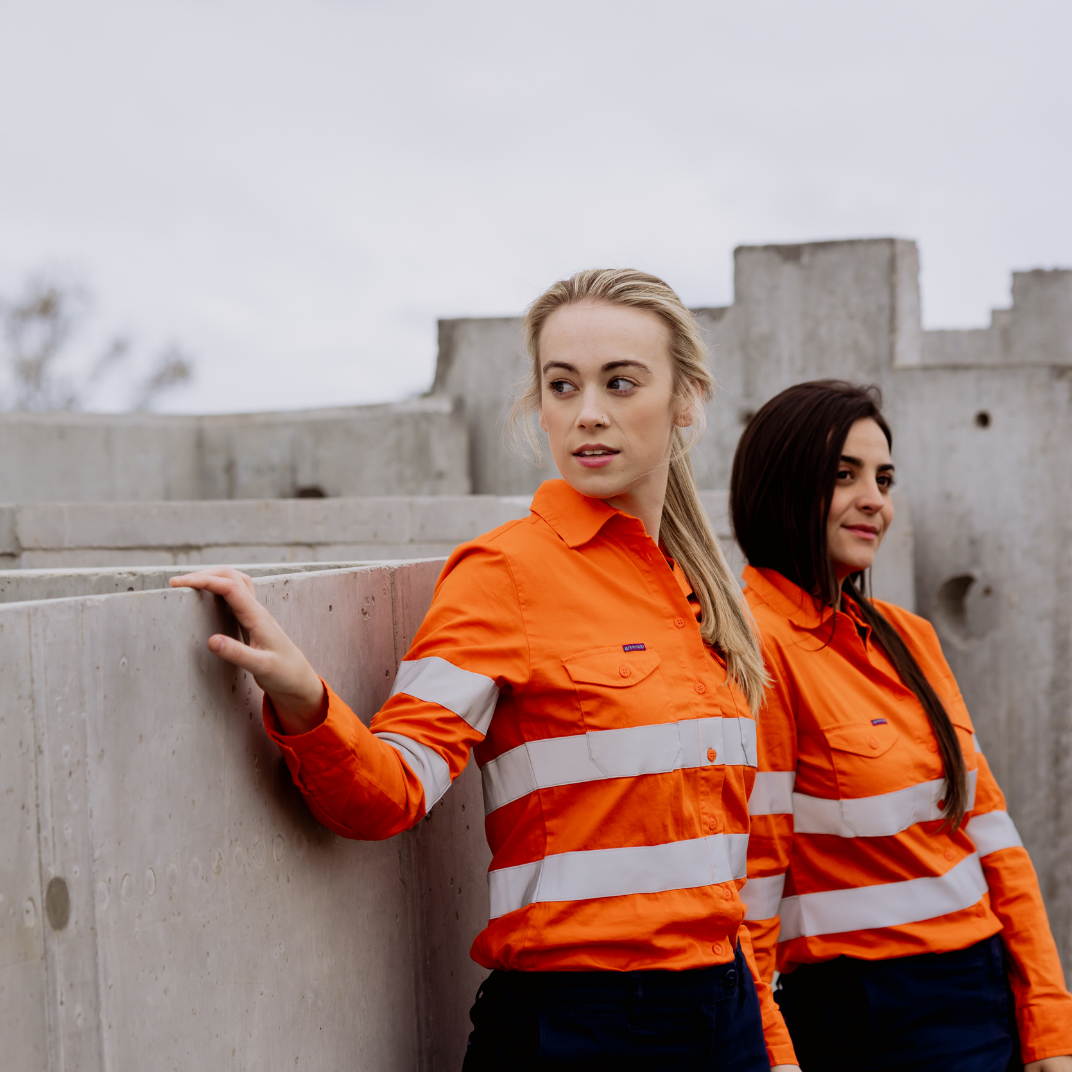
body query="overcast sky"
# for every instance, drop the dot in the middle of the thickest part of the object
(296, 191)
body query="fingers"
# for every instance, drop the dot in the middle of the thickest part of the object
(236, 588)
(258, 663)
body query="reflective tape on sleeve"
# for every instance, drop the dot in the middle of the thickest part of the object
(772, 793)
(470, 696)
(762, 896)
(429, 766)
(580, 876)
(881, 815)
(993, 830)
(625, 753)
(890, 904)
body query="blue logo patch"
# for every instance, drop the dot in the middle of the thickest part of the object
(879, 722)
(633, 647)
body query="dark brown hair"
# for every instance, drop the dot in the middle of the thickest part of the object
(784, 473)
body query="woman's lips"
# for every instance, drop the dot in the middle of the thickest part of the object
(595, 457)
(865, 533)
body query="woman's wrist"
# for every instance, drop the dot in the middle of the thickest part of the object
(301, 712)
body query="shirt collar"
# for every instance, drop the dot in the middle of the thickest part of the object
(787, 598)
(575, 517)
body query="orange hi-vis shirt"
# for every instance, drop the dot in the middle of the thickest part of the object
(616, 760)
(846, 854)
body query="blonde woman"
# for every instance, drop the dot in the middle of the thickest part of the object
(599, 659)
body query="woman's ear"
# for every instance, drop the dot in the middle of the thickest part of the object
(542, 425)
(687, 408)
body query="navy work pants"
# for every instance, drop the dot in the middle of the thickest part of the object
(655, 1021)
(948, 1011)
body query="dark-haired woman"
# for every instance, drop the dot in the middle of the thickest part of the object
(885, 878)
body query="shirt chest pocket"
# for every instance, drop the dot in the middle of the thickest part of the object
(863, 756)
(616, 688)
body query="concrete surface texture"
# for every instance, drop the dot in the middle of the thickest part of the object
(982, 424)
(166, 900)
(405, 448)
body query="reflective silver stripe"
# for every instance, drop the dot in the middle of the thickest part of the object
(993, 830)
(975, 744)
(878, 816)
(624, 753)
(579, 876)
(429, 766)
(762, 896)
(772, 793)
(434, 680)
(891, 904)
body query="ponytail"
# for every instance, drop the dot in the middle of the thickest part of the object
(688, 538)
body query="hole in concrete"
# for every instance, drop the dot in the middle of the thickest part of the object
(949, 603)
(57, 904)
(963, 610)
(310, 491)
(982, 419)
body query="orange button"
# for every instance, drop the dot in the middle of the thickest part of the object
(716, 948)
(624, 671)
(713, 824)
(712, 755)
(679, 622)
(701, 687)
(726, 894)
(981, 910)
(948, 854)
(932, 747)
(873, 743)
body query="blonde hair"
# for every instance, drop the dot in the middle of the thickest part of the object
(685, 531)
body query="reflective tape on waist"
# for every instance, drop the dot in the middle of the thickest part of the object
(877, 816)
(890, 904)
(579, 876)
(624, 753)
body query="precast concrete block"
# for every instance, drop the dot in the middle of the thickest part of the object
(1040, 322)
(409, 448)
(177, 904)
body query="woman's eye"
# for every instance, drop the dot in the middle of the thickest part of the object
(844, 474)
(885, 481)
(620, 383)
(560, 387)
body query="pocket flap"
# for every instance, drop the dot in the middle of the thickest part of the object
(862, 739)
(612, 667)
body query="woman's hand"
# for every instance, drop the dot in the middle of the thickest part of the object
(1050, 1064)
(275, 662)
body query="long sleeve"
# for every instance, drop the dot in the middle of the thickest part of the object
(770, 808)
(1043, 1004)
(775, 1034)
(372, 783)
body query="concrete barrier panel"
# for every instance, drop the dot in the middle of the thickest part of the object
(180, 907)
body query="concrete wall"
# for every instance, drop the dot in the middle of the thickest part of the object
(406, 448)
(982, 423)
(166, 900)
(94, 538)
(51, 535)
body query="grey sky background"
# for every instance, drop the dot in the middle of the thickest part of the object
(296, 191)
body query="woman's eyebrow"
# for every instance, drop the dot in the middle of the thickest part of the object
(559, 364)
(886, 467)
(625, 364)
